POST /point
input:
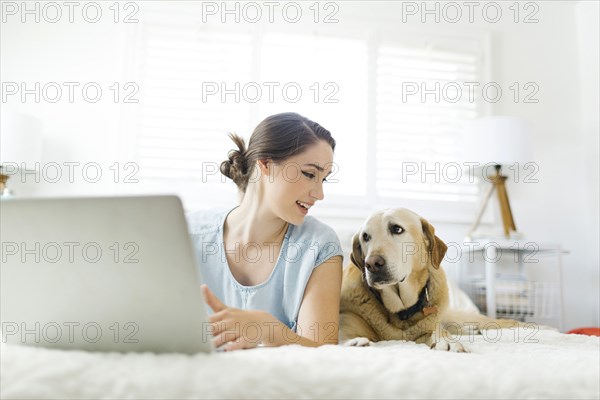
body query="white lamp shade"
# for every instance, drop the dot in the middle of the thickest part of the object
(498, 140)
(20, 140)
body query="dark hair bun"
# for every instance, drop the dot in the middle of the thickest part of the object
(236, 166)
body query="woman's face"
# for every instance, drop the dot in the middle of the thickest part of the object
(296, 184)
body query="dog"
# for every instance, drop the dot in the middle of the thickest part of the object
(395, 289)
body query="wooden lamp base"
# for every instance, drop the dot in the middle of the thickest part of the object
(498, 185)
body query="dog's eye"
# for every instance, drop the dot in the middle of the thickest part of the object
(396, 229)
(366, 237)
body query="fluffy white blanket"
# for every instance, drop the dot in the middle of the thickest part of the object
(557, 366)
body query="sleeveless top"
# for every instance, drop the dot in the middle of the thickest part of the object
(304, 247)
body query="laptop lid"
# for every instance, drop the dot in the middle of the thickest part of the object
(101, 274)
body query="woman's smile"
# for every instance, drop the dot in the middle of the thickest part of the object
(302, 209)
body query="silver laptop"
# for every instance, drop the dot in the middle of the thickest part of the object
(101, 274)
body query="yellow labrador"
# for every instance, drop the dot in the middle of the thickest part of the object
(394, 288)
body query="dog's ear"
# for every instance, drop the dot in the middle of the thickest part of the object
(436, 247)
(357, 257)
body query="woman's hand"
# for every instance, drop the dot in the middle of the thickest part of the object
(236, 329)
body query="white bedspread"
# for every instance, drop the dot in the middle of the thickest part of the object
(558, 366)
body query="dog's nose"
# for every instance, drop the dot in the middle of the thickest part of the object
(374, 263)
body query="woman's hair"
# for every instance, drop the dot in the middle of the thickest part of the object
(278, 138)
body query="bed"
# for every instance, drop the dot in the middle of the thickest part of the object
(510, 365)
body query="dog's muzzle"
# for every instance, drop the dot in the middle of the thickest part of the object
(378, 271)
(375, 264)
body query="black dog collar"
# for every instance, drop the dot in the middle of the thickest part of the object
(422, 304)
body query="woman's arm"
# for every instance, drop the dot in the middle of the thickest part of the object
(319, 314)
(318, 317)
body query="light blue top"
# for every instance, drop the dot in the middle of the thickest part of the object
(304, 247)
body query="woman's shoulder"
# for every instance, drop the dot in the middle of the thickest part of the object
(205, 220)
(314, 230)
(315, 234)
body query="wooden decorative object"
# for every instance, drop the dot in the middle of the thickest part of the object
(498, 185)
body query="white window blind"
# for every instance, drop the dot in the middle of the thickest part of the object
(417, 132)
(181, 137)
(178, 130)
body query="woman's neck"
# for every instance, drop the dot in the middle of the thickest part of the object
(251, 222)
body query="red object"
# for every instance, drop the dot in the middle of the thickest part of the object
(586, 331)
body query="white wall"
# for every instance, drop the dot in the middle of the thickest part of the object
(589, 34)
(563, 206)
(73, 132)
(560, 54)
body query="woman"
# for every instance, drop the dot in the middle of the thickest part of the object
(273, 274)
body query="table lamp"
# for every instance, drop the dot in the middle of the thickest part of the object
(20, 146)
(495, 142)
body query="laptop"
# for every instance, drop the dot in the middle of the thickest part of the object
(101, 274)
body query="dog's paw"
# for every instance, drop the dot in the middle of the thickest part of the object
(454, 347)
(357, 342)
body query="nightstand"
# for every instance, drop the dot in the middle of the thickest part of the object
(514, 279)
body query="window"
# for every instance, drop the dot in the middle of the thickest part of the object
(200, 82)
(420, 110)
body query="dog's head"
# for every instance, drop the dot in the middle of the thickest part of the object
(392, 244)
